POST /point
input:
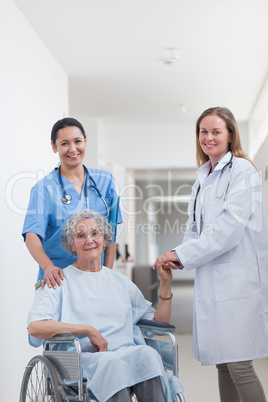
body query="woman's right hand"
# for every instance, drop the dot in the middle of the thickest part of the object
(98, 342)
(167, 261)
(53, 277)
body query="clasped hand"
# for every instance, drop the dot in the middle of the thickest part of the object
(167, 261)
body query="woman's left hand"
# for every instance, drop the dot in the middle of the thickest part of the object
(167, 261)
(163, 310)
(165, 274)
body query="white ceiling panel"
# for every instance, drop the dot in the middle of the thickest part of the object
(114, 52)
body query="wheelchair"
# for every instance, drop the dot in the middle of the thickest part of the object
(56, 376)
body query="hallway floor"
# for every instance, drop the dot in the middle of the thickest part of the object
(200, 382)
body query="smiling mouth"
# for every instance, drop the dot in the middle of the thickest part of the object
(73, 156)
(209, 145)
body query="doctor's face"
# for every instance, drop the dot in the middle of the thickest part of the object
(214, 137)
(71, 146)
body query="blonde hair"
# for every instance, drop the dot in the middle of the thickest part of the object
(235, 146)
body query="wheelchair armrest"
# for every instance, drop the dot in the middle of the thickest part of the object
(152, 325)
(62, 338)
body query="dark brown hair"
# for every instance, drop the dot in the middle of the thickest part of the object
(65, 122)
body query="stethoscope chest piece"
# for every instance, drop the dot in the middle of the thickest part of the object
(66, 199)
(194, 227)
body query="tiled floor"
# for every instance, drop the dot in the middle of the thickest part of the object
(200, 382)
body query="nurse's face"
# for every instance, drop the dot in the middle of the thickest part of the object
(71, 146)
(88, 241)
(214, 137)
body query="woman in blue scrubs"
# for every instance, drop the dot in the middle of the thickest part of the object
(60, 194)
(226, 244)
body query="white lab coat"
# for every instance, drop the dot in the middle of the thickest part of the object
(229, 251)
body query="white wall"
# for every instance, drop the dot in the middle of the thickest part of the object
(91, 128)
(153, 146)
(149, 146)
(34, 94)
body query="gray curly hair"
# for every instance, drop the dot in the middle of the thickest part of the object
(68, 229)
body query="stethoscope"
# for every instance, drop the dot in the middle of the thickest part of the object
(67, 198)
(218, 195)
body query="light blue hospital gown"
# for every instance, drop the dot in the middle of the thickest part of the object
(47, 213)
(110, 302)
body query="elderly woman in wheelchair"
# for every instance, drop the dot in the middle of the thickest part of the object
(102, 308)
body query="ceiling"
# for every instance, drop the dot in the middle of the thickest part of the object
(114, 53)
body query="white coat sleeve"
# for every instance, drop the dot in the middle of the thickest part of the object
(237, 213)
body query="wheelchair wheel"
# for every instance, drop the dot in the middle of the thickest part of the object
(40, 382)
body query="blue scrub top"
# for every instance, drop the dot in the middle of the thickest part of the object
(47, 213)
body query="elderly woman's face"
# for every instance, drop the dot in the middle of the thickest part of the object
(88, 242)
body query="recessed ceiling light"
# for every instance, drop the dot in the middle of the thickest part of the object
(182, 108)
(173, 55)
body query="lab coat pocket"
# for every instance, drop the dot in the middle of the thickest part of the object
(230, 281)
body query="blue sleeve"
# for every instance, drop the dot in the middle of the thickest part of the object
(115, 198)
(36, 219)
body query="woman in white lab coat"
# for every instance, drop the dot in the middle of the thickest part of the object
(226, 242)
